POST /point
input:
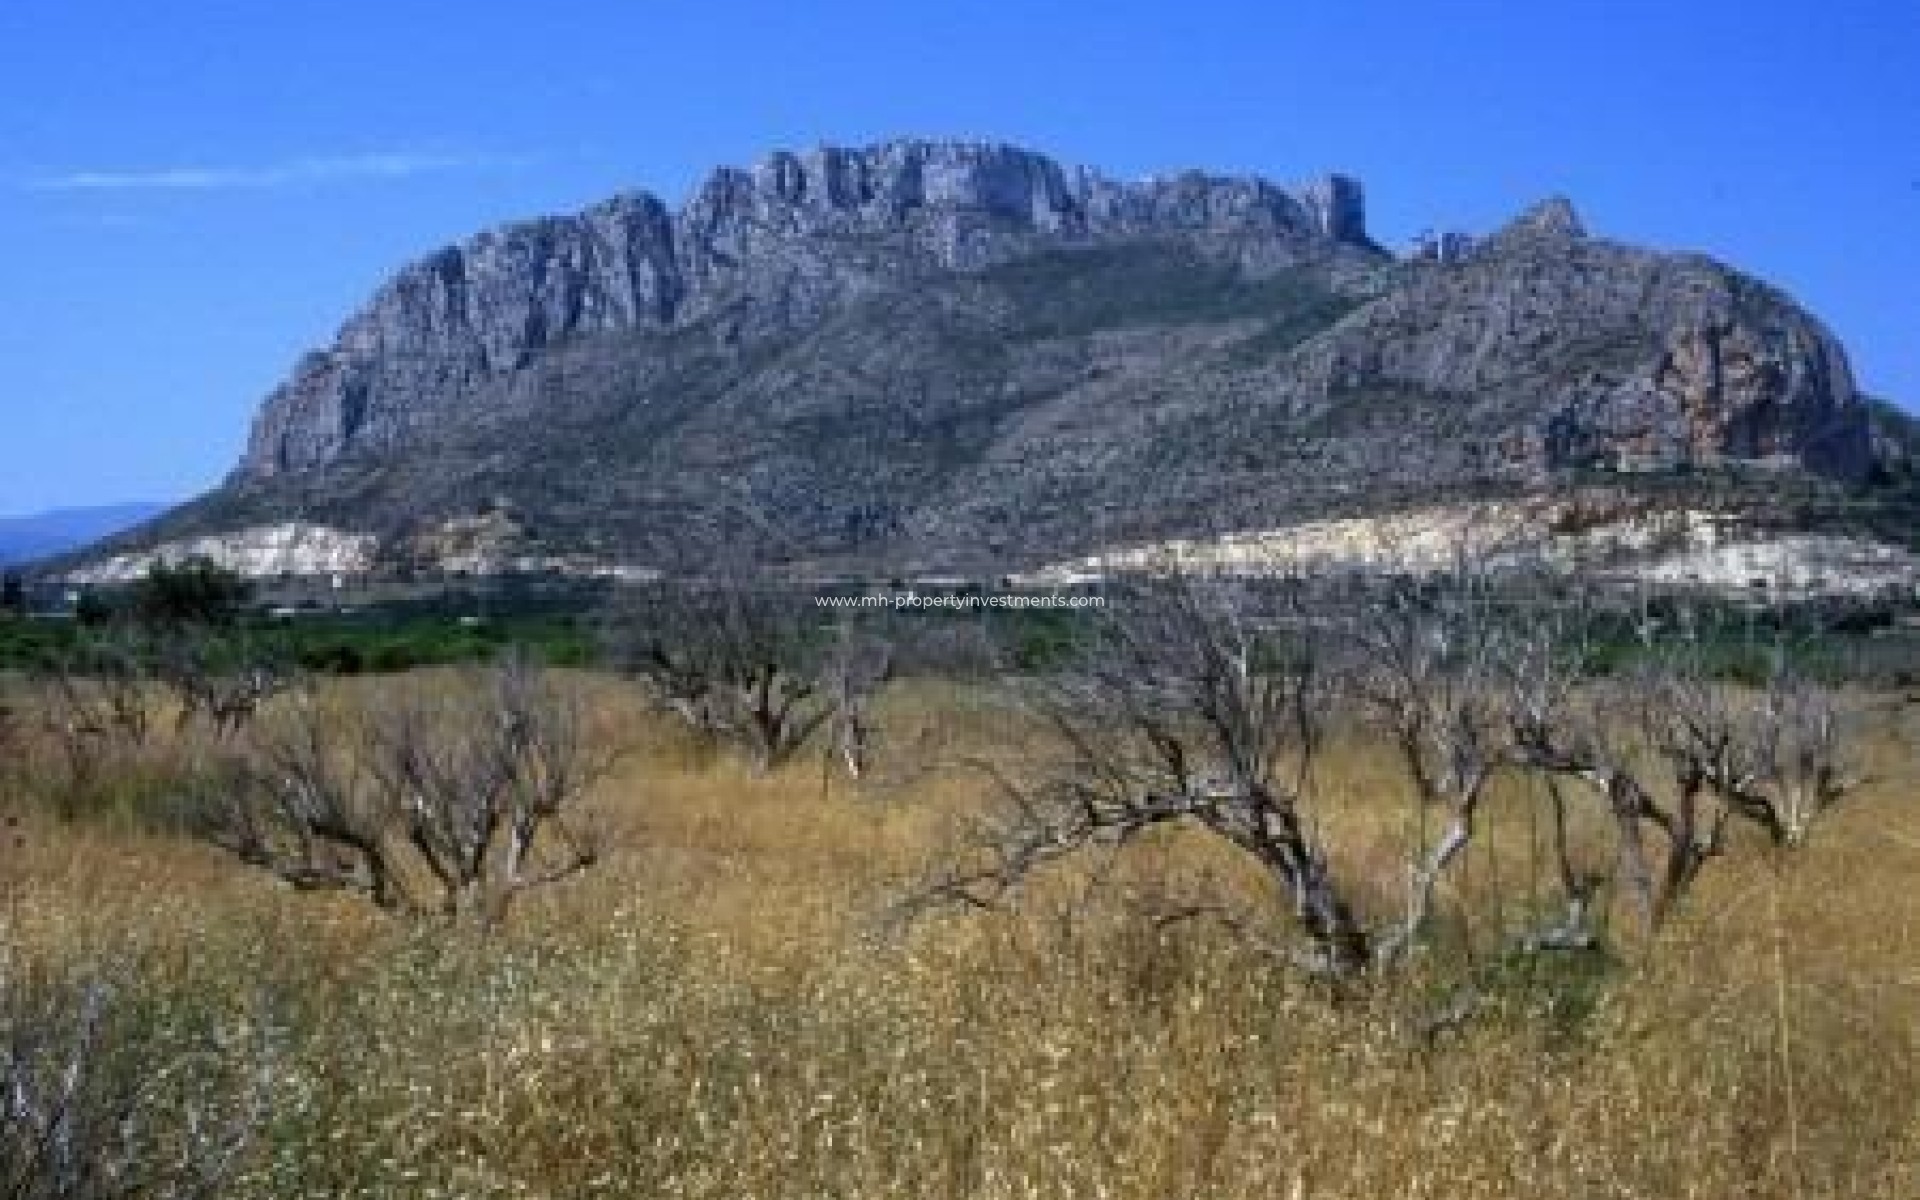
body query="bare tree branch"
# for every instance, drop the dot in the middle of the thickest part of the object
(470, 791)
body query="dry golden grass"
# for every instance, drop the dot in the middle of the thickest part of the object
(713, 1012)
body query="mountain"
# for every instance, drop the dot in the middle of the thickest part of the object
(963, 355)
(39, 535)
(1896, 440)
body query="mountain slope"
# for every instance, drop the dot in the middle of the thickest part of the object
(954, 354)
(40, 535)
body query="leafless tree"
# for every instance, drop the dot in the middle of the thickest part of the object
(100, 691)
(95, 1107)
(854, 669)
(1179, 712)
(1423, 657)
(95, 705)
(1801, 760)
(220, 679)
(737, 662)
(1193, 705)
(453, 800)
(1675, 754)
(478, 796)
(10, 739)
(299, 802)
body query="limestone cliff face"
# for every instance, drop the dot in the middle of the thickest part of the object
(956, 352)
(787, 239)
(466, 314)
(261, 552)
(1606, 355)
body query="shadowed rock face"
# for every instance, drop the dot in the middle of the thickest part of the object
(946, 351)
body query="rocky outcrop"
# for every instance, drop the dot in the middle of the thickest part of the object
(466, 314)
(1628, 546)
(1604, 355)
(951, 355)
(293, 548)
(792, 236)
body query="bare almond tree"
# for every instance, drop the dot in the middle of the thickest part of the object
(1179, 712)
(1423, 657)
(91, 1109)
(299, 802)
(855, 668)
(1799, 763)
(95, 706)
(221, 679)
(453, 800)
(11, 739)
(1563, 724)
(99, 692)
(1675, 755)
(1193, 705)
(740, 663)
(479, 796)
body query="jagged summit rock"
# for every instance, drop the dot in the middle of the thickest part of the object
(967, 352)
(792, 236)
(1554, 219)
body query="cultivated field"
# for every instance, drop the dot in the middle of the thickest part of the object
(722, 1007)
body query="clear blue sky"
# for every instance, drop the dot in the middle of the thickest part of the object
(193, 192)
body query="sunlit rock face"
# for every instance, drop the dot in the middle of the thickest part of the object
(266, 551)
(1622, 543)
(940, 355)
(1606, 356)
(796, 231)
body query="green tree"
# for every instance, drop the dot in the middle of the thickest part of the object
(90, 608)
(196, 591)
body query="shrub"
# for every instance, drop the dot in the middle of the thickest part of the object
(107, 1094)
(196, 591)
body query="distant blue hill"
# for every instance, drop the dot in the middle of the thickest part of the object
(23, 539)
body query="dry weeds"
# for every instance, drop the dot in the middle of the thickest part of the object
(716, 1012)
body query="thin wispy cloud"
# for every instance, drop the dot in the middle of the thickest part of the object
(308, 170)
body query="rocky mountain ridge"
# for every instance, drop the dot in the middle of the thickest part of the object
(952, 354)
(32, 536)
(774, 239)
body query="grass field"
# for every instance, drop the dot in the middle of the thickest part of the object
(720, 1008)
